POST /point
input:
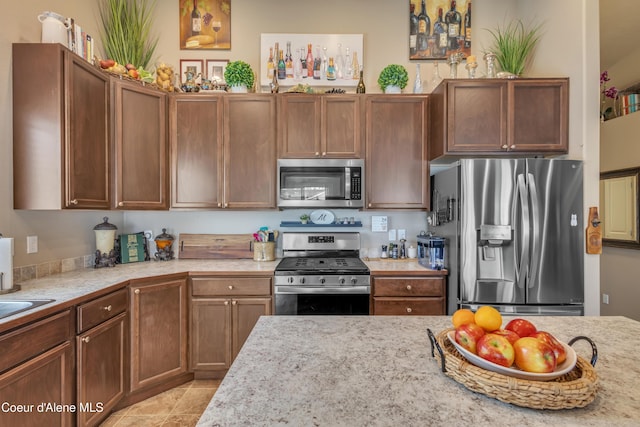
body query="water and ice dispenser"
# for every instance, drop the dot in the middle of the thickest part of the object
(495, 264)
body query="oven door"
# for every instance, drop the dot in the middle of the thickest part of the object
(304, 300)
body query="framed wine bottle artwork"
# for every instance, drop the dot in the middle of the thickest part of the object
(205, 24)
(439, 28)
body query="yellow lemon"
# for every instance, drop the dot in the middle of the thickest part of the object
(488, 318)
(462, 316)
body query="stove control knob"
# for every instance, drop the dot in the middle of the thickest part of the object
(354, 280)
(322, 280)
(289, 279)
(302, 280)
(341, 280)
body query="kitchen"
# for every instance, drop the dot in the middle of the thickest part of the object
(59, 231)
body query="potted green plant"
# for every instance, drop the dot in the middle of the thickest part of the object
(239, 76)
(126, 31)
(304, 218)
(513, 45)
(393, 78)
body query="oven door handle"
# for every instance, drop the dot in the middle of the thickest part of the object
(322, 290)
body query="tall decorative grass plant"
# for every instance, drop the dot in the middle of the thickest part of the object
(126, 31)
(513, 45)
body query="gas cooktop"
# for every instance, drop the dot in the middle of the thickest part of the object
(306, 265)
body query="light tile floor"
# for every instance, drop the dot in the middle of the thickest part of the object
(179, 407)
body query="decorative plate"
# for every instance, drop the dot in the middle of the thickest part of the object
(322, 216)
(563, 368)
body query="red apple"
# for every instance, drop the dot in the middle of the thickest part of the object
(107, 63)
(468, 335)
(522, 327)
(496, 348)
(510, 335)
(558, 348)
(130, 67)
(534, 355)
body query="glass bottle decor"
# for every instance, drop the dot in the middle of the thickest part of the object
(490, 60)
(417, 85)
(471, 66)
(360, 88)
(436, 79)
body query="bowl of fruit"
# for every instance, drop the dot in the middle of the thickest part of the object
(515, 362)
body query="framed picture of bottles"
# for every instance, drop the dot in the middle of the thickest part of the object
(333, 60)
(439, 28)
(205, 24)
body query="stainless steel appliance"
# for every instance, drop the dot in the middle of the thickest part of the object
(321, 273)
(515, 234)
(327, 183)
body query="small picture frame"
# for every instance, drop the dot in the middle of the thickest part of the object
(215, 70)
(191, 66)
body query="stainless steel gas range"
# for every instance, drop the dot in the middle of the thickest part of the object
(321, 273)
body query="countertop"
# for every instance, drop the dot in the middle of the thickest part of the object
(69, 288)
(378, 371)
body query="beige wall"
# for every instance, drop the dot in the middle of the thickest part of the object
(385, 27)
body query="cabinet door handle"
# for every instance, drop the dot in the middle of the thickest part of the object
(219, 204)
(505, 146)
(234, 302)
(226, 303)
(73, 202)
(230, 287)
(226, 205)
(409, 310)
(137, 291)
(121, 204)
(408, 287)
(513, 146)
(317, 153)
(369, 204)
(86, 339)
(324, 154)
(107, 308)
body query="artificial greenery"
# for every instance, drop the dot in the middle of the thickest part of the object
(513, 45)
(238, 73)
(304, 217)
(393, 75)
(126, 31)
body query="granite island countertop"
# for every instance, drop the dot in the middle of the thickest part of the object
(378, 371)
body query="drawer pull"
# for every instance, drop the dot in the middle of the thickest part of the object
(107, 308)
(230, 287)
(234, 302)
(409, 310)
(408, 287)
(226, 303)
(137, 291)
(86, 339)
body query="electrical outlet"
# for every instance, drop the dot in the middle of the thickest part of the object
(392, 235)
(402, 234)
(605, 298)
(32, 244)
(148, 234)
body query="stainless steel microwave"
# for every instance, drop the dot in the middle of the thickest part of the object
(315, 183)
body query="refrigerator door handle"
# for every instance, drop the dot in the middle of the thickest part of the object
(523, 266)
(535, 229)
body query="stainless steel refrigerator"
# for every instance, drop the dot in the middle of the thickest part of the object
(515, 234)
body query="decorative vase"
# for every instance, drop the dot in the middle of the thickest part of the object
(239, 89)
(392, 89)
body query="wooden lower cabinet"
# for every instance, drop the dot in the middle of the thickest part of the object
(223, 314)
(158, 332)
(418, 296)
(42, 357)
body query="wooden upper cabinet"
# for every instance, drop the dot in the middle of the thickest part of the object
(197, 162)
(141, 147)
(60, 130)
(489, 116)
(397, 171)
(249, 136)
(319, 126)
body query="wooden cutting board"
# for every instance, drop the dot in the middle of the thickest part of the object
(215, 246)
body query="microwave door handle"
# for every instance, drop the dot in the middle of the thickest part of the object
(347, 183)
(535, 229)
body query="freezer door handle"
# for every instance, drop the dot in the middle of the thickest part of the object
(523, 262)
(535, 229)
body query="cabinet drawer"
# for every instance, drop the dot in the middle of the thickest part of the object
(408, 287)
(231, 286)
(29, 341)
(97, 311)
(409, 306)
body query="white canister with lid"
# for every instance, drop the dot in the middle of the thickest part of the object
(55, 28)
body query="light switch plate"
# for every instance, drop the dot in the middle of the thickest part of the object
(402, 234)
(392, 235)
(32, 244)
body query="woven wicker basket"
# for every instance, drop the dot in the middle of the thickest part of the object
(575, 389)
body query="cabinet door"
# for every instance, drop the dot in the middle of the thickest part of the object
(195, 129)
(141, 149)
(47, 378)
(396, 152)
(246, 312)
(87, 158)
(341, 126)
(158, 332)
(100, 365)
(210, 334)
(476, 116)
(538, 115)
(299, 126)
(250, 151)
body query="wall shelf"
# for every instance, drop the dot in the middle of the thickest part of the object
(312, 225)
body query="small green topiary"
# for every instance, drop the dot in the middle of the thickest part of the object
(393, 75)
(239, 73)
